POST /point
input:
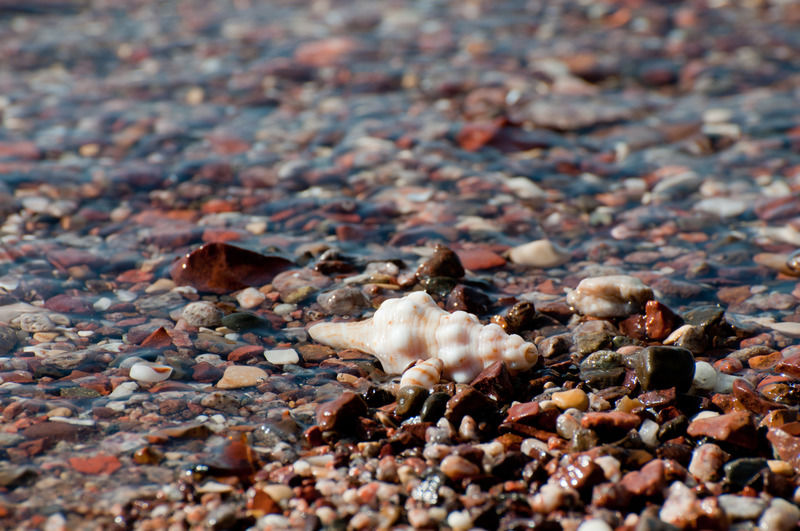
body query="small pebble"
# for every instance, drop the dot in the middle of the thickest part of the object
(705, 376)
(595, 524)
(250, 298)
(609, 296)
(237, 376)
(574, 398)
(202, 313)
(282, 356)
(456, 467)
(779, 516)
(539, 253)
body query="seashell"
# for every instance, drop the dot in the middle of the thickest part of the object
(144, 371)
(426, 373)
(413, 328)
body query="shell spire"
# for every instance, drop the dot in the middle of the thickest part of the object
(413, 328)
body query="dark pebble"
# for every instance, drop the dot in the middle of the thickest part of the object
(741, 472)
(245, 321)
(434, 407)
(341, 414)
(495, 382)
(660, 367)
(410, 400)
(469, 401)
(443, 263)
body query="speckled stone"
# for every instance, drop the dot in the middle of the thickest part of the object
(202, 313)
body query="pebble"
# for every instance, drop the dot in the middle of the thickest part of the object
(250, 298)
(348, 300)
(282, 356)
(123, 391)
(609, 296)
(149, 372)
(444, 262)
(594, 524)
(779, 516)
(664, 367)
(741, 507)
(574, 398)
(236, 376)
(35, 322)
(8, 339)
(707, 461)
(456, 467)
(202, 313)
(543, 254)
(736, 428)
(705, 376)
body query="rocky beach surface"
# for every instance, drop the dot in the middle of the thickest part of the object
(187, 187)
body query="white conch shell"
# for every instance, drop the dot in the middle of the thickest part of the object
(426, 373)
(413, 328)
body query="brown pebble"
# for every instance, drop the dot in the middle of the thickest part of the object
(443, 263)
(341, 414)
(735, 428)
(495, 382)
(660, 321)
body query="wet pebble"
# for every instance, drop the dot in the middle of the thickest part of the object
(282, 356)
(574, 398)
(779, 516)
(609, 296)
(442, 263)
(664, 367)
(250, 298)
(202, 313)
(705, 376)
(8, 339)
(434, 407)
(539, 253)
(410, 400)
(237, 376)
(348, 300)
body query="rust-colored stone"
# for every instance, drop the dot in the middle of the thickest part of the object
(222, 268)
(735, 428)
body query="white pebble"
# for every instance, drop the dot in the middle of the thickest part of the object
(123, 391)
(612, 468)
(705, 376)
(459, 520)
(538, 253)
(648, 431)
(595, 524)
(102, 304)
(282, 356)
(150, 372)
(741, 507)
(284, 309)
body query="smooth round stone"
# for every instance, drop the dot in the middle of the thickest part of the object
(705, 376)
(244, 321)
(539, 253)
(410, 400)
(282, 356)
(434, 406)
(250, 298)
(576, 398)
(236, 376)
(456, 467)
(149, 372)
(595, 524)
(724, 383)
(343, 301)
(202, 313)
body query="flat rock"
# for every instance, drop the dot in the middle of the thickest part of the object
(222, 268)
(735, 428)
